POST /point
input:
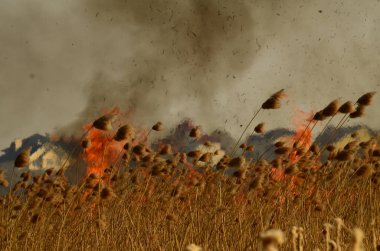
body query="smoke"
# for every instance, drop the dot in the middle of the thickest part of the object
(215, 61)
(179, 55)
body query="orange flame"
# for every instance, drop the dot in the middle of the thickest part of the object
(103, 151)
(303, 137)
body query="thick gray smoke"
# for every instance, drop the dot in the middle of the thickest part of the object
(181, 54)
(212, 60)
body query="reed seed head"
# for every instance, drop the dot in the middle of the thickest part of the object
(359, 112)
(274, 101)
(107, 193)
(330, 148)
(344, 155)
(237, 162)
(260, 128)
(250, 148)
(104, 123)
(195, 132)
(366, 99)
(314, 149)
(86, 143)
(23, 159)
(319, 116)
(331, 109)
(166, 150)
(124, 132)
(347, 107)
(365, 171)
(157, 127)
(282, 150)
(279, 144)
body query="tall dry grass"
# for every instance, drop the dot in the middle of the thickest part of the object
(160, 199)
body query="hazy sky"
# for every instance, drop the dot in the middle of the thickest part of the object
(214, 61)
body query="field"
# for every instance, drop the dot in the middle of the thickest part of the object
(141, 197)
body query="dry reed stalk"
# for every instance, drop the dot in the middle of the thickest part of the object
(294, 238)
(244, 131)
(274, 102)
(339, 225)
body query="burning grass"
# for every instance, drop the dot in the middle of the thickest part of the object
(139, 197)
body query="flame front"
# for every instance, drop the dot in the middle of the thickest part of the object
(102, 152)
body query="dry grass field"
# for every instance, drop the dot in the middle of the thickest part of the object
(139, 197)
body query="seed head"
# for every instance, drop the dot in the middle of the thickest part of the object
(260, 128)
(104, 123)
(206, 157)
(127, 146)
(195, 132)
(279, 144)
(292, 170)
(282, 150)
(237, 162)
(331, 109)
(107, 193)
(36, 218)
(166, 150)
(250, 148)
(358, 112)
(26, 176)
(365, 171)
(347, 107)
(366, 99)
(240, 173)
(22, 160)
(124, 132)
(274, 101)
(376, 153)
(194, 154)
(139, 150)
(344, 155)
(314, 149)
(157, 127)
(86, 143)
(350, 145)
(319, 116)
(243, 146)
(330, 148)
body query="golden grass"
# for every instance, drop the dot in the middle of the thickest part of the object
(158, 199)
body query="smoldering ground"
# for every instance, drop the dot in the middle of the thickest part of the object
(214, 61)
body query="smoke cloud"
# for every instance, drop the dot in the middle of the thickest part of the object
(180, 54)
(215, 61)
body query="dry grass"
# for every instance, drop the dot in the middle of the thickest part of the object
(159, 199)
